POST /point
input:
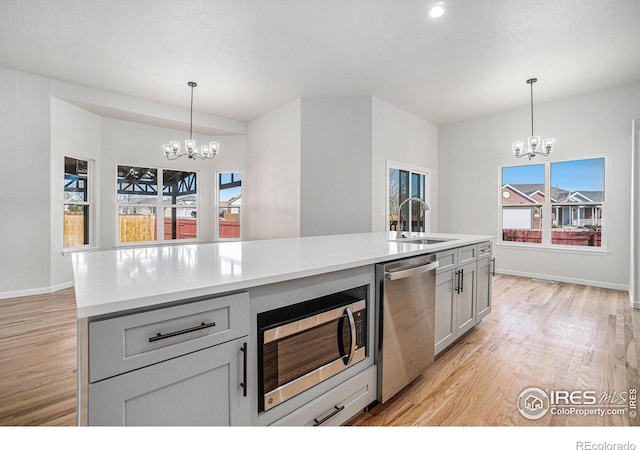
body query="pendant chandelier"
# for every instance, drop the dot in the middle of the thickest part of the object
(535, 144)
(173, 151)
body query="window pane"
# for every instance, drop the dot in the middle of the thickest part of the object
(137, 223)
(76, 225)
(230, 202)
(137, 185)
(75, 180)
(398, 192)
(180, 223)
(229, 222)
(523, 193)
(577, 225)
(578, 181)
(578, 189)
(418, 216)
(179, 188)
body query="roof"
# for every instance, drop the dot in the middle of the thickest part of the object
(557, 194)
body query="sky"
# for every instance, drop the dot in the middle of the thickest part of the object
(578, 175)
(226, 194)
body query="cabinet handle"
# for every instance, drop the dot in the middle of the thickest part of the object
(457, 282)
(461, 280)
(493, 267)
(202, 326)
(333, 413)
(243, 385)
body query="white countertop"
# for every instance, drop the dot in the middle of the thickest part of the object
(117, 280)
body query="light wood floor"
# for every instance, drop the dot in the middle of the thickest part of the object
(552, 336)
(38, 360)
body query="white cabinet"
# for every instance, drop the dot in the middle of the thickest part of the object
(179, 365)
(458, 305)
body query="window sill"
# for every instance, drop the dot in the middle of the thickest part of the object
(555, 248)
(69, 251)
(124, 245)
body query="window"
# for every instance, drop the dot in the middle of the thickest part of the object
(577, 198)
(229, 204)
(523, 193)
(180, 199)
(149, 199)
(77, 204)
(405, 182)
(571, 191)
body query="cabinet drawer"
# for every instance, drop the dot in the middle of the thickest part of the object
(337, 405)
(447, 259)
(484, 250)
(125, 343)
(467, 254)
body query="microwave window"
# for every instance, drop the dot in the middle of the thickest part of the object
(297, 355)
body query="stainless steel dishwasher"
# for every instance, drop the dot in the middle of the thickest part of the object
(405, 305)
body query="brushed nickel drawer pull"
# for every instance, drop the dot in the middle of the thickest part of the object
(202, 326)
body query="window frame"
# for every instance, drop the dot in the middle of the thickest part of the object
(89, 203)
(412, 169)
(159, 206)
(547, 210)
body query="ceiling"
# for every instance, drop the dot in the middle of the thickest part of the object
(252, 56)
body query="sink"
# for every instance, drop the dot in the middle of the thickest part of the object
(422, 240)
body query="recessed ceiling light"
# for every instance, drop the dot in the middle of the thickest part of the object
(437, 10)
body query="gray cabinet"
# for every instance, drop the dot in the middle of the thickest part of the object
(338, 405)
(201, 388)
(465, 298)
(462, 297)
(483, 291)
(184, 364)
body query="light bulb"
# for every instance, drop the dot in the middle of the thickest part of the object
(437, 10)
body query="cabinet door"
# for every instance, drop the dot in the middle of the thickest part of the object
(466, 298)
(484, 289)
(445, 323)
(201, 388)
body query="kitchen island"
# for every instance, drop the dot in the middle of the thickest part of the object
(123, 296)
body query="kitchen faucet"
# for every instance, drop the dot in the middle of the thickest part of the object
(422, 203)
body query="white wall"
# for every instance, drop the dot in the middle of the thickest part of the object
(41, 121)
(74, 132)
(471, 152)
(25, 242)
(404, 138)
(336, 158)
(634, 260)
(272, 188)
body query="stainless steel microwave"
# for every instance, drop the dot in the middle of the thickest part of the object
(304, 344)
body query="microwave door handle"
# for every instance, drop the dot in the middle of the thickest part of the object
(352, 330)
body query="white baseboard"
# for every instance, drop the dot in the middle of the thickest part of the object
(602, 284)
(37, 291)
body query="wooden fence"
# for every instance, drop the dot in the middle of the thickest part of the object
(73, 229)
(585, 238)
(141, 228)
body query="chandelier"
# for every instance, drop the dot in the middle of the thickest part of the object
(173, 151)
(535, 144)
